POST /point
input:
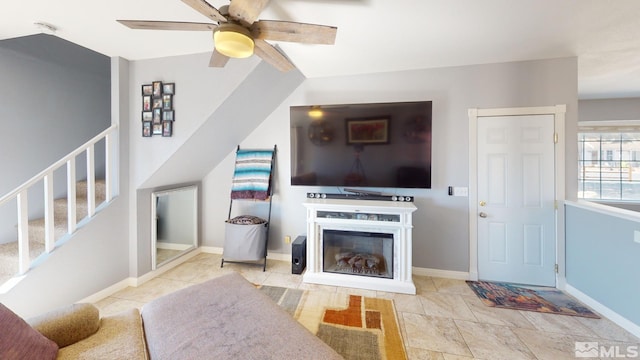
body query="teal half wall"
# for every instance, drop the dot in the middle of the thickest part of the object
(603, 259)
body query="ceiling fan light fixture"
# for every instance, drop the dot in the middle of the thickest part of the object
(233, 41)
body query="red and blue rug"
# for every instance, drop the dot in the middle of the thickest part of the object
(529, 298)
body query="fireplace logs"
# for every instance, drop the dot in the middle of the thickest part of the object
(358, 263)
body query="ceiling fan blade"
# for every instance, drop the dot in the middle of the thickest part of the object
(167, 25)
(217, 59)
(246, 11)
(206, 9)
(294, 32)
(271, 55)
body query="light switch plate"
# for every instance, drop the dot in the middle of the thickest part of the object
(636, 236)
(460, 191)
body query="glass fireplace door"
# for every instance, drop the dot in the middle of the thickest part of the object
(358, 253)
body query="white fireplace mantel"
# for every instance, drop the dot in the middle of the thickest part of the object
(391, 217)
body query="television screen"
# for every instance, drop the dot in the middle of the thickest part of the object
(378, 145)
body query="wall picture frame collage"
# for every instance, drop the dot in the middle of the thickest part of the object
(158, 113)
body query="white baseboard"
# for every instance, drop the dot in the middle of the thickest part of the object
(447, 274)
(108, 291)
(605, 311)
(137, 281)
(279, 256)
(211, 249)
(164, 268)
(172, 246)
(270, 255)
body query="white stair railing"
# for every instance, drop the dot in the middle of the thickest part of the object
(20, 193)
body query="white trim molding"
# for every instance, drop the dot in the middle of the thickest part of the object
(609, 125)
(604, 311)
(447, 274)
(104, 293)
(559, 112)
(137, 281)
(270, 255)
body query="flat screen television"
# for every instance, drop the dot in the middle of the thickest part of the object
(377, 145)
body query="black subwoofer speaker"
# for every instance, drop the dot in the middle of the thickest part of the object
(299, 255)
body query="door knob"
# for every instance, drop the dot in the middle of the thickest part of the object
(483, 203)
(483, 215)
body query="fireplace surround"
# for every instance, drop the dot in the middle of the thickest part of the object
(363, 244)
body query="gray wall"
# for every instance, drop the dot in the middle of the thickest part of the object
(609, 109)
(54, 97)
(96, 257)
(200, 90)
(599, 256)
(441, 234)
(602, 259)
(242, 96)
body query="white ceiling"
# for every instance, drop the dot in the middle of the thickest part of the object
(378, 35)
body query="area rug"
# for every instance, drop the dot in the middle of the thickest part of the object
(530, 298)
(357, 327)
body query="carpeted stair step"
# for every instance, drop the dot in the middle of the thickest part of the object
(60, 205)
(37, 229)
(81, 190)
(9, 251)
(60, 209)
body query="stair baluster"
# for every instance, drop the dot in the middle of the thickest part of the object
(49, 227)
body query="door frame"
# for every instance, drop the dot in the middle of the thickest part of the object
(558, 111)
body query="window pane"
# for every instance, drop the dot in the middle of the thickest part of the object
(609, 166)
(589, 189)
(634, 165)
(608, 137)
(590, 150)
(631, 191)
(630, 136)
(611, 190)
(589, 136)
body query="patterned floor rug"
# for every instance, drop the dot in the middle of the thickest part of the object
(357, 327)
(530, 298)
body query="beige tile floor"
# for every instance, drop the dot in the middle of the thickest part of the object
(444, 320)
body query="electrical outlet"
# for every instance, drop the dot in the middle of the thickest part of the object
(287, 239)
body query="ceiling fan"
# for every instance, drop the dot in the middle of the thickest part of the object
(238, 33)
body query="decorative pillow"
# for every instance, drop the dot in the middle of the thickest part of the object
(246, 220)
(18, 340)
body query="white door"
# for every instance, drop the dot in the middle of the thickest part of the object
(516, 196)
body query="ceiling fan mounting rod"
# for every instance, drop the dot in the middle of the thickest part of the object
(224, 11)
(233, 26)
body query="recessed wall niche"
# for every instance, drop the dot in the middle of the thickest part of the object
(158, 113)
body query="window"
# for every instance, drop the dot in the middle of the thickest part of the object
(609, 161)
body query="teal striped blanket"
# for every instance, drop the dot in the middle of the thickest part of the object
(251, 178)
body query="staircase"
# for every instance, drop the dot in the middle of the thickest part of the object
(9, 251)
